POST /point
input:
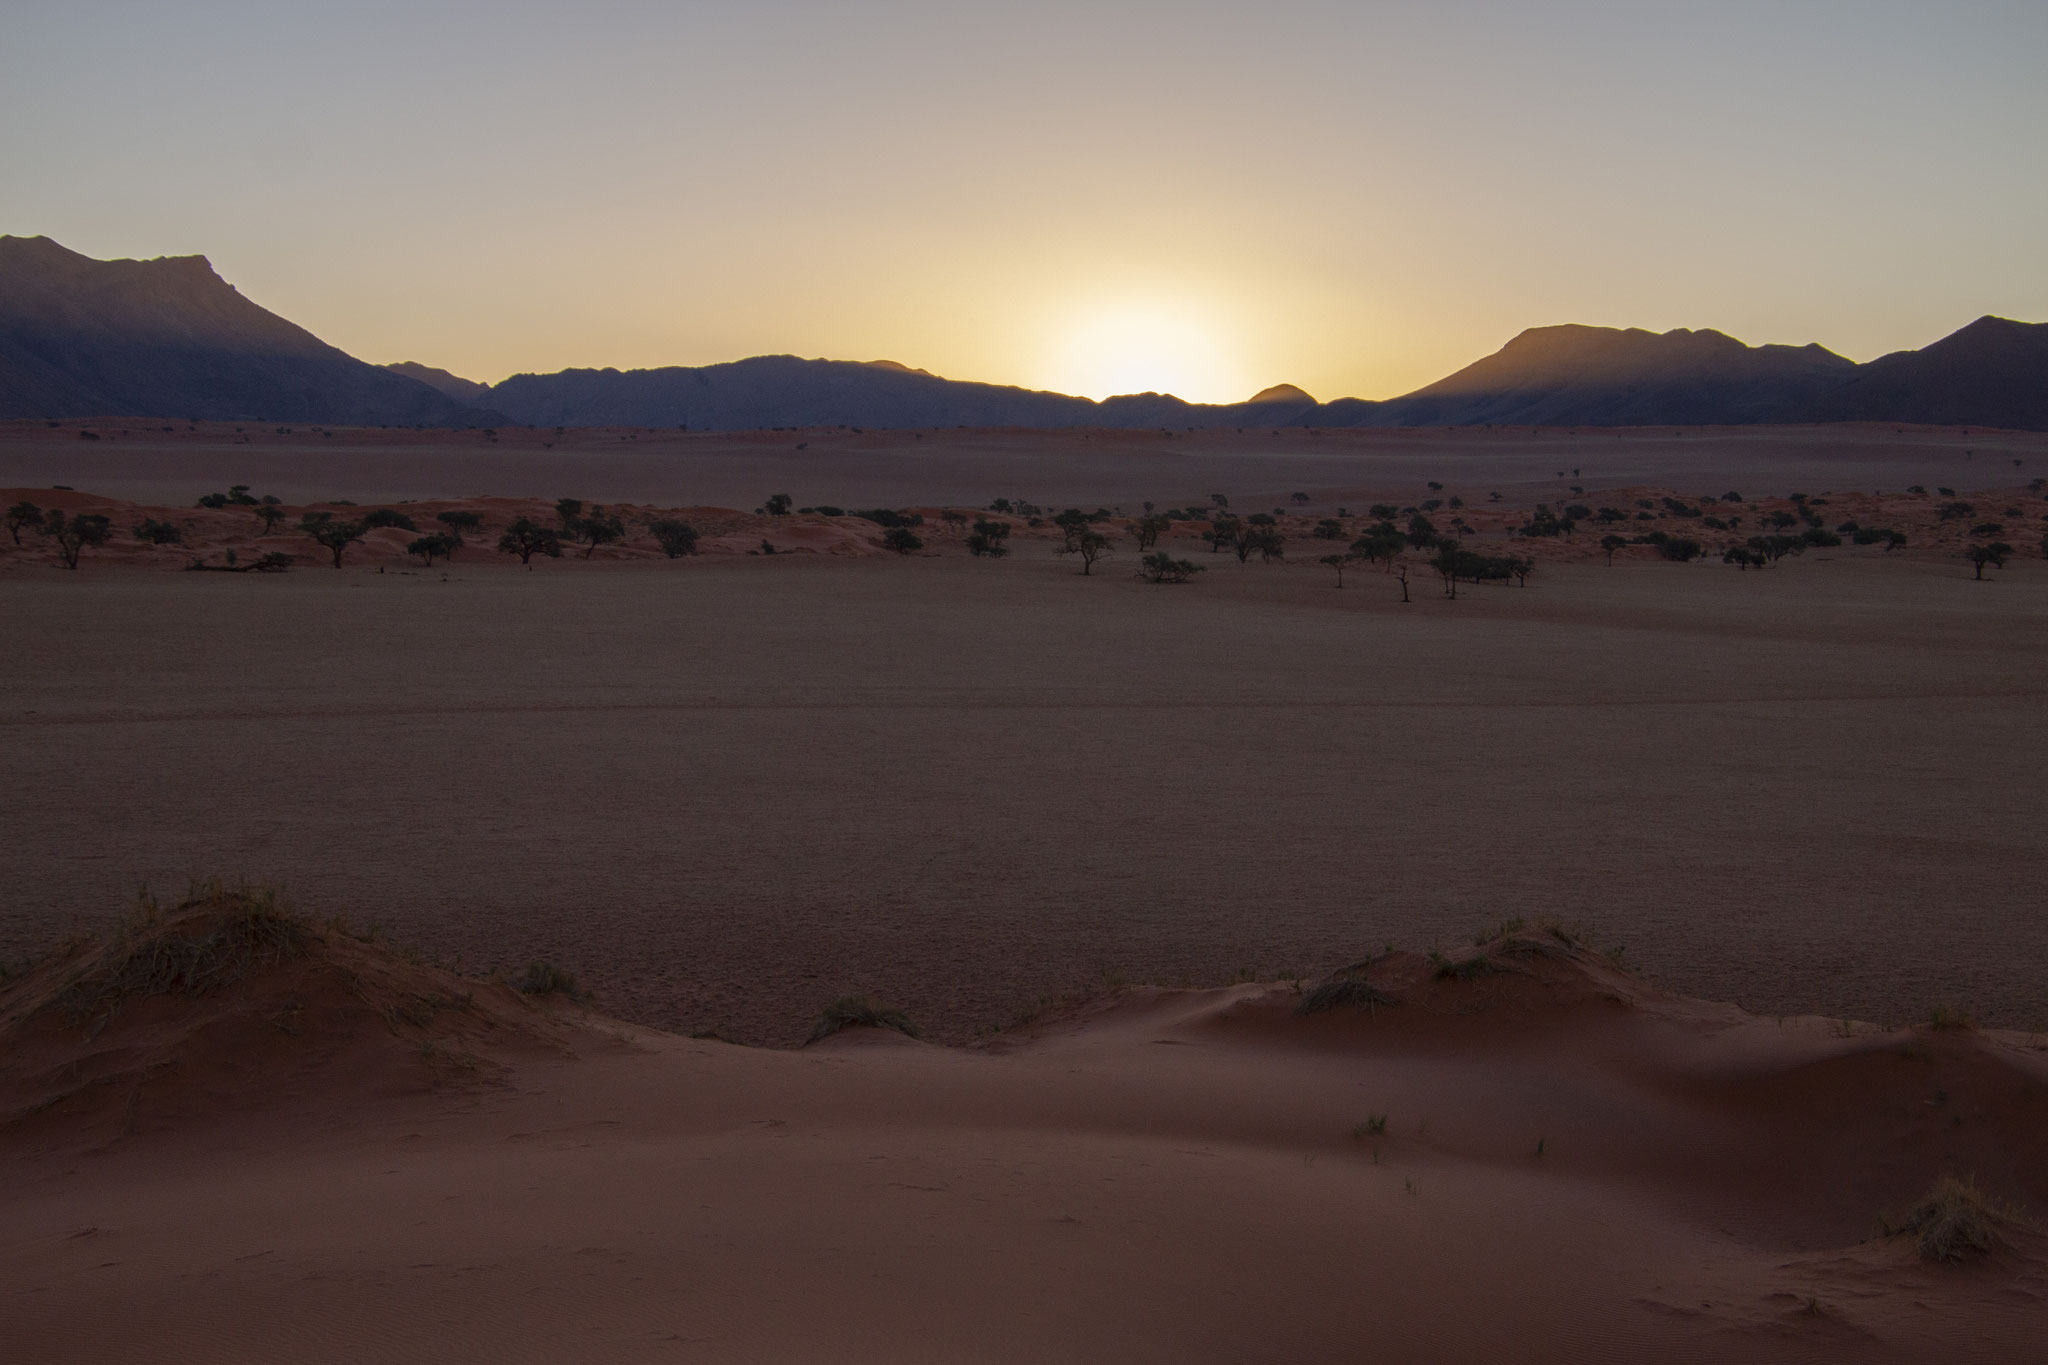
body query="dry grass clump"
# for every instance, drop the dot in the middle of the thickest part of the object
(849, 1011)
(247, 929)
(1464, 969)
(1341, 991)
(1954, 1221)
(545, 978)
(1946, 1018)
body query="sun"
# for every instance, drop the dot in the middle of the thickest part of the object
(1146, 348)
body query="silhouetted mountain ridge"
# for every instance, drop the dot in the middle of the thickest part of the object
(170, 338)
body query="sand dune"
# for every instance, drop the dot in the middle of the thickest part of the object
(1516, 1151)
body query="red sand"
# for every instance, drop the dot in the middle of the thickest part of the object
(1573, 1166)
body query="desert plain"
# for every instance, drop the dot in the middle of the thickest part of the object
(1100, 840)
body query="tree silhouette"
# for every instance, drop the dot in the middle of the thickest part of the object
(676, 538)
(1164, 568)
(1993, 554)
(1090, 544)
(22, 514)
(1337, 562)
(599, 528)
(1147, 530)
(526, 539)
(154, 532)
(271, 514)
(335, 536)
(778, 505)
(426, 547)
(73, 534)
(987, 537)
(1611, 544)
(902, 540)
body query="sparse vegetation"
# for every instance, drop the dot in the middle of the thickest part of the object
(676, 538)
(74, 533)
(1161, 567)
(544, 979)
(153, 532)
(527, 538)
(902, 540)
(859, 1011)
(1953, 1221)
(332, 535)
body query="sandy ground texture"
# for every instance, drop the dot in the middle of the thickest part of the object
(728, 789)
(173, 463)
(230, 1136)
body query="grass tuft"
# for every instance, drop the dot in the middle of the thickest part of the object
(1953, 1221)
(150, 956)
(1947, 1017)
(1464, 969)
(1340, 992)
(850, 1011)
(545, 978)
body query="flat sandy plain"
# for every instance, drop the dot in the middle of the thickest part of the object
(727, 790)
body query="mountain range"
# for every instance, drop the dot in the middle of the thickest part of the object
(169, 338)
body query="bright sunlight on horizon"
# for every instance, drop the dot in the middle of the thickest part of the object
(1201, 197)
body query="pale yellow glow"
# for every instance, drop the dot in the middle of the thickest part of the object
(1145, 346)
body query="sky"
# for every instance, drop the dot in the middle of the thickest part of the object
(1202, 198)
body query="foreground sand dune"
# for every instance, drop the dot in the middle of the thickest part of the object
(1513, 1151)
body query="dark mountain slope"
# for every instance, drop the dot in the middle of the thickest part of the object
(170, 338)
(1992, 373)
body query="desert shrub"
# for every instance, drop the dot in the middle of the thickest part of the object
(1988, 528)
(149, 956)
(1744, 558)
(883, 516)
(457, 521)
(1953, 1221)
(1820, 538)
(778, 505)
(385, 516)
(1682, 548)
(1464, 968)
(1342, 992)
(1610, 544)
(676, 538)
(156, 532)
(544, 979)
(426, 547)
(1955, 511)
(859, 1011)
(1161, 567)
(902, 540)
(987, 539)
(825, 511)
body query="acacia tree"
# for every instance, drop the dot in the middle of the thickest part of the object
(1162, 567)
(778, 505)
(901, 539)
(1088, 543)
(154, 532)
(1337, 562)
(426, 547)
(73, 534)
(1611, 544)
(271, 515)
(1993, 554)
(1223, 530)
(676, 538)
(457, 522)
(599, 528)
(335, 536)
(1147, 529)
(22, 514)
(566, 512)
(987, 539)
(527, 538)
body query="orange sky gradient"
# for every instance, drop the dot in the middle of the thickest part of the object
(1202, 198)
